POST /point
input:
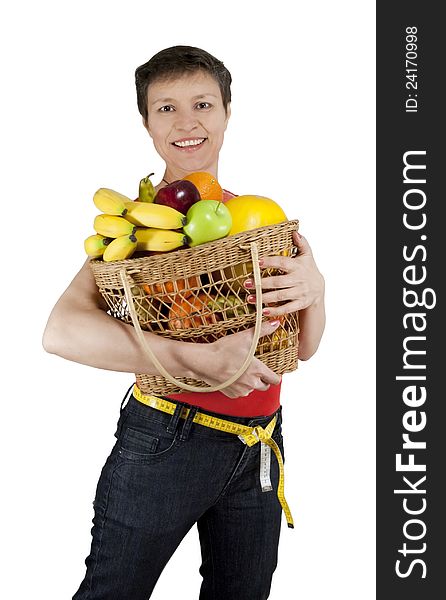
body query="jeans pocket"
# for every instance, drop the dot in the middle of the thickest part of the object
(139, 442)
(141, 446)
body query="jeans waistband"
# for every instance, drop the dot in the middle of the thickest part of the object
(137, 408)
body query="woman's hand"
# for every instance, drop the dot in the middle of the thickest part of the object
(301, 286)
(217, 362)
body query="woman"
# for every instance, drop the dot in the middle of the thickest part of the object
(166, 473)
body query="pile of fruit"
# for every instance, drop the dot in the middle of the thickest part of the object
(185, 213)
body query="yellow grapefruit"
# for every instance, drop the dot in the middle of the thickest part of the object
(249, 212)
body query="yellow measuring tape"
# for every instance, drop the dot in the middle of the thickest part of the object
(248, 435)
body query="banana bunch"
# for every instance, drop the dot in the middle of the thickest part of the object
(125, 226)
(159, 240)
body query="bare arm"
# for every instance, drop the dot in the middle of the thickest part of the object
(311, 325)
(80, 330)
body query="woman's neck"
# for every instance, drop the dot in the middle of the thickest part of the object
(173, 175)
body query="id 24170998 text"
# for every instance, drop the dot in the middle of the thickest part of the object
(412, 69)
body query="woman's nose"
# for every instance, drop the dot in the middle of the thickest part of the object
(186, 122)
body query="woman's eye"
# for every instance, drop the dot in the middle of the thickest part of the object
(167, 108)
(204, 105)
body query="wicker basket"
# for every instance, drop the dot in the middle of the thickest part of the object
(197, 295)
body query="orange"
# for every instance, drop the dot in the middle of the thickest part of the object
(172, 288)
(192, 312)
(206, 184)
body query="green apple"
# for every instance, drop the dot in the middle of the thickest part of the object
(206, 221)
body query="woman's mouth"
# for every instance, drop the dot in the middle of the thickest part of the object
(189, 144)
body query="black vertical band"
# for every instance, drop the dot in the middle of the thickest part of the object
(411, 259)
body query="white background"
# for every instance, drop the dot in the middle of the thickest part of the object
(301, 132)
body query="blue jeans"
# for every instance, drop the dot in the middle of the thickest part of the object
(163, 475)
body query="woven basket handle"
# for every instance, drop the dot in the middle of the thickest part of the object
(145, 346)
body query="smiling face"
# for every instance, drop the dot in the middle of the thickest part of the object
(187, 121)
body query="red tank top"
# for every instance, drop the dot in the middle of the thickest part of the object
(256, 404)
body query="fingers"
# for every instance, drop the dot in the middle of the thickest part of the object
(269, 377)
(265, 374)
(275, 281)
(287, 263)
(283, 295)
(290, 266)
(301, 243)
(274, 310)
(262, 386)
(259, 388)
(268, 327)
(284, 263)
(261, 380)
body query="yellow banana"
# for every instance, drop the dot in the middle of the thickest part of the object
(110, 202)
(148, 214)
(95, 245)
(112, 226)
(151, 238)
(120, 248)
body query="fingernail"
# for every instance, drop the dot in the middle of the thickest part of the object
(248, 283)
(274, 322)
(266, 311)
(251, 298)
(261, 262)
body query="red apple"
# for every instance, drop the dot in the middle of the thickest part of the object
(180, 195)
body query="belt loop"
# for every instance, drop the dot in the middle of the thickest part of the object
(122, 417)
(126, 397)
(188, 423)
(173, 423)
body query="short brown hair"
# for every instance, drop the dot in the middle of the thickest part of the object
(177, 61)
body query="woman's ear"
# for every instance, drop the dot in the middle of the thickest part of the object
(228, 114)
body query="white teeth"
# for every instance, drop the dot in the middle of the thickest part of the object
(189, 143)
